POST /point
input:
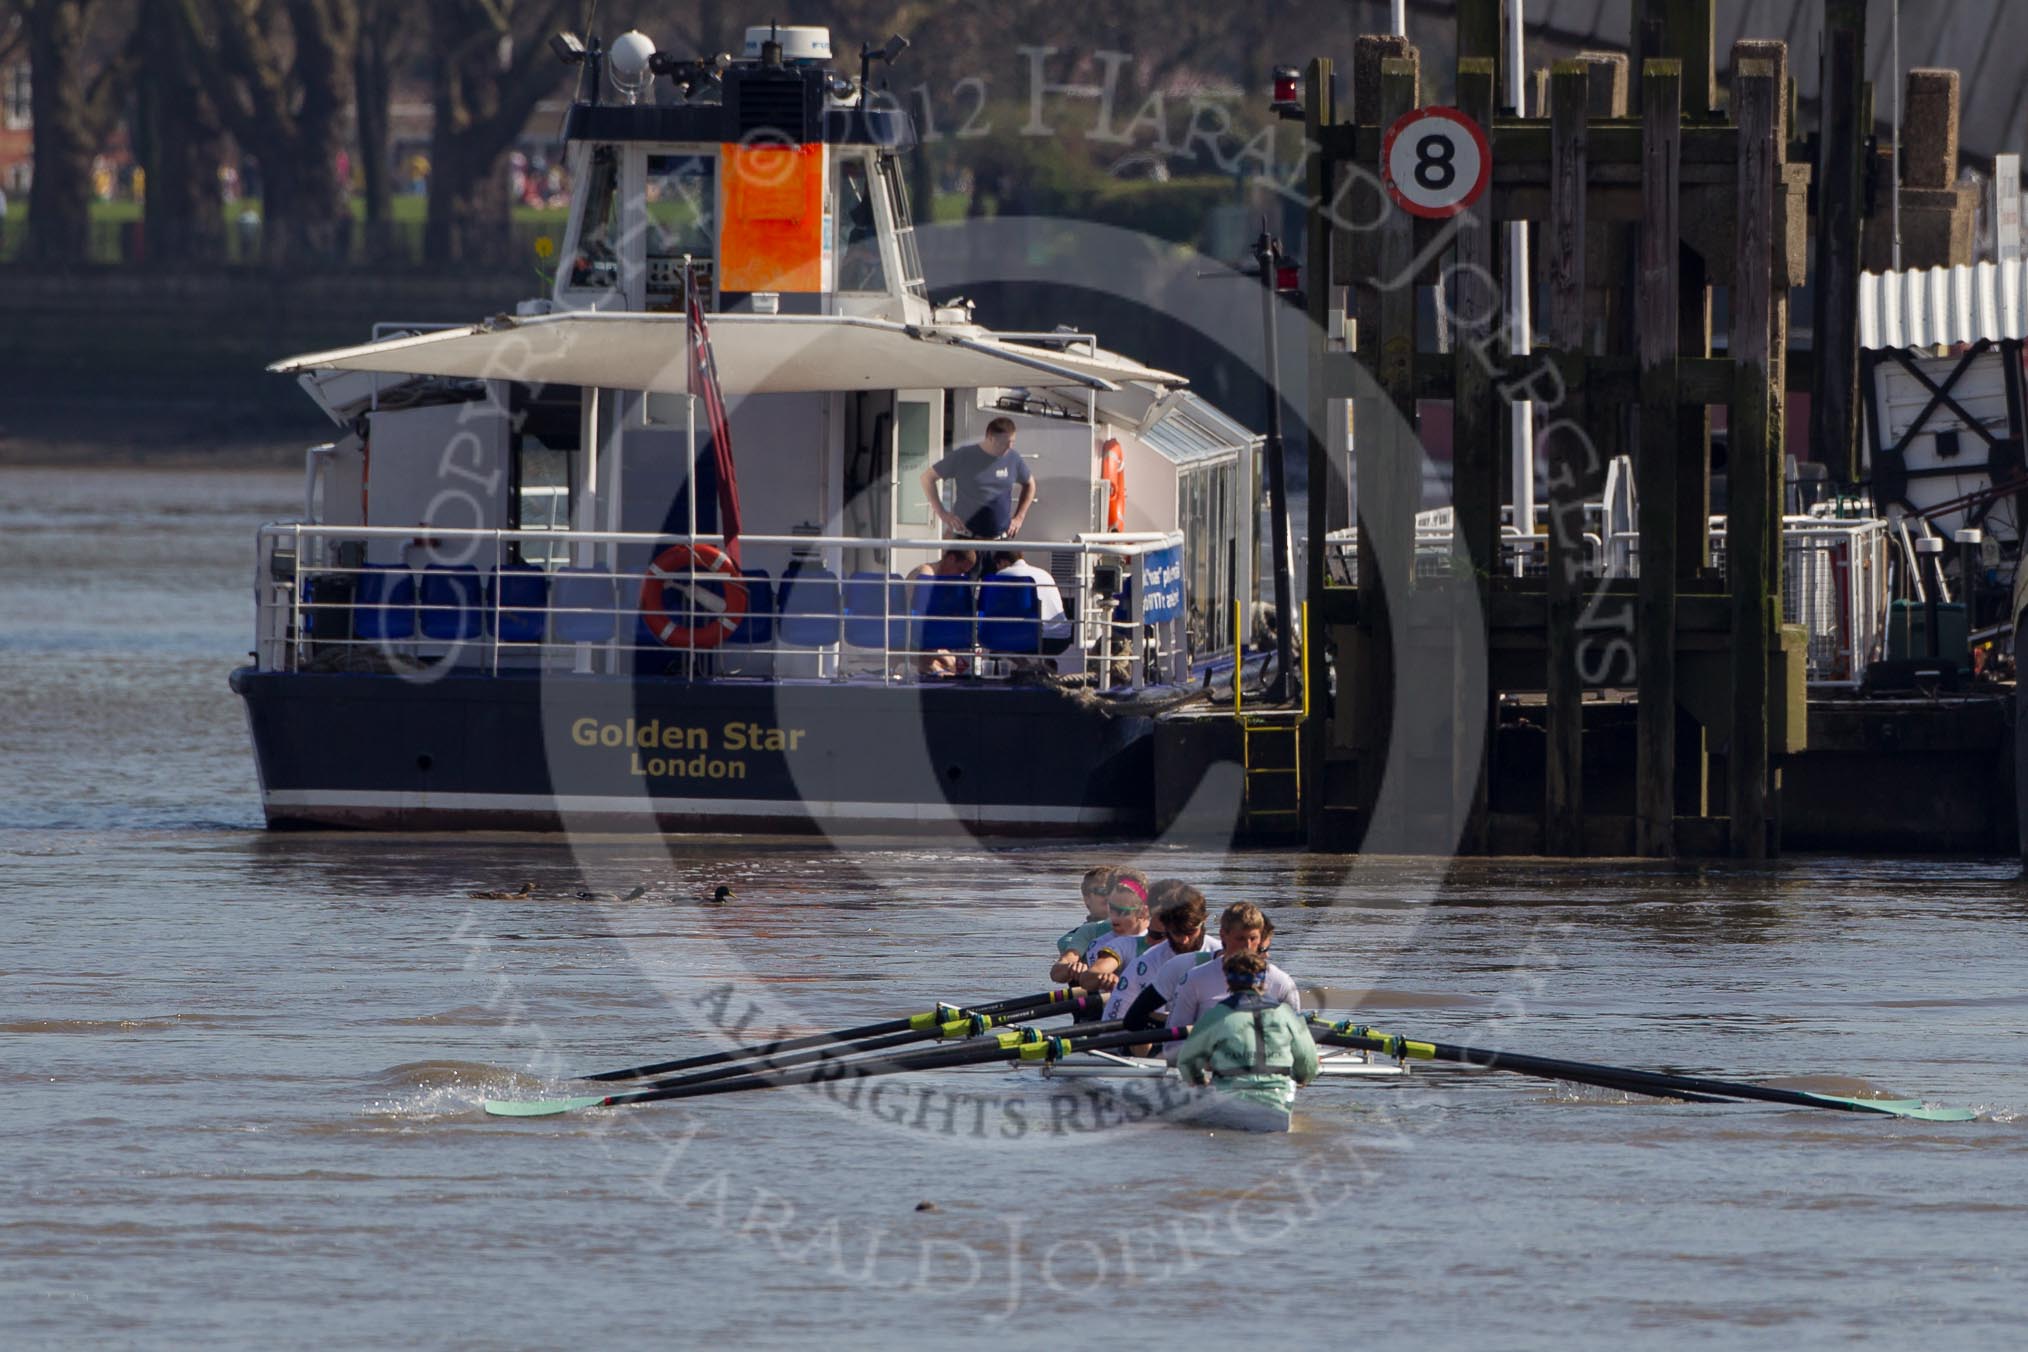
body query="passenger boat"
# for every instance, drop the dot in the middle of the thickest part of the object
(533, 588)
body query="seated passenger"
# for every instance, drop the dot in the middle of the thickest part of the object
(1057, 630)
(953, 567)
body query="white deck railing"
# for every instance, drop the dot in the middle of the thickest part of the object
(1834, 578)
(839, 611)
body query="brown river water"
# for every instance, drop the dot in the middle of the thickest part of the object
(242, 1071)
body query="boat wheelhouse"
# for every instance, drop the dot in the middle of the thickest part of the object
(517, 599)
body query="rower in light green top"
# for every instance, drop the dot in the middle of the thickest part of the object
(1248, 1046)
(1097, 889)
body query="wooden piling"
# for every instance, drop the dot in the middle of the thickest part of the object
(1388, 469)
(1843, 125)
(1754, 95)
(1689, 30)
(1657, 301)
(1478, 433)
(1324, 434)
(1570, 95)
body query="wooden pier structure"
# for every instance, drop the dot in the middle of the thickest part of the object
(1559, 712)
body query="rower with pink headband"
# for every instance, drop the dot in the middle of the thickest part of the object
(1108, 956)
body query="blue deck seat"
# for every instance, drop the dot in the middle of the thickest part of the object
(948, 610)
(757, 627)
(811, 606)
(452, 600)
(581, 601)
(1010, 615)
(517, 597)
(383, 608)
(327, 605)
(876, 611)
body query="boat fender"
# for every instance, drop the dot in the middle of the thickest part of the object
(1113, 469)
(678, 565)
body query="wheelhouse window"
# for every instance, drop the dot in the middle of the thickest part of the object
(682, 205)
(904, 226)
(597, 265)
(857, 248)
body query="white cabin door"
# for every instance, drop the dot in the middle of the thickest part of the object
(918, 443)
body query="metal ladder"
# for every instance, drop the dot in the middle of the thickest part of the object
(1271, 757)
(1270, 749)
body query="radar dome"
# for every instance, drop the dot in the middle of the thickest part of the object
(628, 59)
(802, 44)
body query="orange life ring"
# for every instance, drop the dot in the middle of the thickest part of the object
(679, 565)
(1113, 469)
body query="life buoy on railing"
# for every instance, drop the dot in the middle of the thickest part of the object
(1113, 469)
(707, 619)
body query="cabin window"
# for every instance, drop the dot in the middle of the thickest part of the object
(860, 266)
(1204, 511)
(911, 457)
(682, 207)
(597, 265)
(904, 227)
(541, 498)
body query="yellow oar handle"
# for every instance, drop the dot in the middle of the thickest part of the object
(971, 1025)
(1388, 1044)
(930, 1020)
(944, 1018)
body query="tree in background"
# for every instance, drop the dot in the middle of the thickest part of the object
(388, 35)
(74, 108)
(279, 74)
(179, 141)
(493, 66)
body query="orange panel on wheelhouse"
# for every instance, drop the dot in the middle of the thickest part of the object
(772, 238)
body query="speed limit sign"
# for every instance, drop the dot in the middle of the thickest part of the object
(1435, 162)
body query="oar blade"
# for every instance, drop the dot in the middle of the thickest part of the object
(1910, 1108)
(540, 1107)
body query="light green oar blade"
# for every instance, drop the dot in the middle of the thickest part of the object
(540, 1107)
(1903, 1108)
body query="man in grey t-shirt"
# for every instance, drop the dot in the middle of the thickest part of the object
(986, 476)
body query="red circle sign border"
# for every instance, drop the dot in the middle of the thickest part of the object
(1400, 196)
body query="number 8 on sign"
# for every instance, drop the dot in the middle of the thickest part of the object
(1435, 162)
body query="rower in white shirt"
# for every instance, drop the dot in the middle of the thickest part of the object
(1191, 983)
(1109, 955)
(1178, 910)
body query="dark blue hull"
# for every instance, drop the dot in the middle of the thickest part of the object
(600, 753)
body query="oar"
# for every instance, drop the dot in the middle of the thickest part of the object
(1019, 1044)
(926, 1022)
(970, 1026)
(1692, 1087)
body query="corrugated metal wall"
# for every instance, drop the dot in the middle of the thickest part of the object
(1938, 307)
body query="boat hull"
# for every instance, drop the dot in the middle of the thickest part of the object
(524, 752)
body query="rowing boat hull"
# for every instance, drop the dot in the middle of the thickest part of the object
(1108, 1066)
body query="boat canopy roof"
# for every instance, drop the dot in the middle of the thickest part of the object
(756, 354)
(1191, 430)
